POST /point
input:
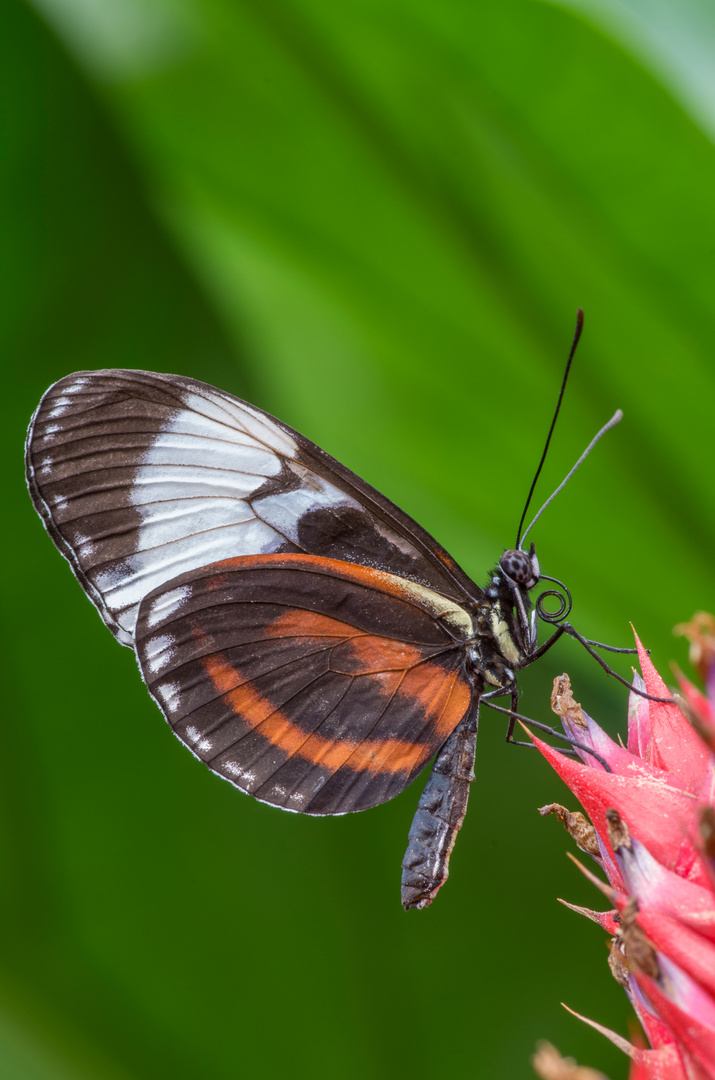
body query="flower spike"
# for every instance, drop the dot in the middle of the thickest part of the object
(650, 826)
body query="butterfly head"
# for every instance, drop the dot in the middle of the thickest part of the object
(520, 567)
(518, 572)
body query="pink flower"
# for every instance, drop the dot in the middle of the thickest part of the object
(652, 832)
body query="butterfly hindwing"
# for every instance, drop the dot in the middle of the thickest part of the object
(313, 684)
(142, 477)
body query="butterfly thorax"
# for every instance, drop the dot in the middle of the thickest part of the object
(505, 624)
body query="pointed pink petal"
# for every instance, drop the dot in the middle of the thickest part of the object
(605, 919)
(639, 733)
(623, 763)
(618, 758)
(686, 993)
(657, 1031)
(697, 1037)
(673, 745)
(662, 1064)
(656, 887)
(656, 813)
(692, 953)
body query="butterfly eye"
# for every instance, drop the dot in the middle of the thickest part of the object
(520, 568)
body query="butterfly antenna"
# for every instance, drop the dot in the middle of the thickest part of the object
(615, 419)
(574, 343)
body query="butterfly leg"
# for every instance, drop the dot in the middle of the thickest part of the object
(558, 633)
(567, 628)
(595, 644)
(512, 712)
(439, 816)
(613, 648)
(514, 715)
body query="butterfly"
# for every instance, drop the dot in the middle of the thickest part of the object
(303, 636)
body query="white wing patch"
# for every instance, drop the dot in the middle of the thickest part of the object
(233, 415)
(166, 605)
(191, 491)
(147, 477)
(154, 507)
(61, 406)
(124, 586)
(159, 653)
(170, 694)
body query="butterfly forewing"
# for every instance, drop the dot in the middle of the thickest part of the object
(314, 684)
(141, 478)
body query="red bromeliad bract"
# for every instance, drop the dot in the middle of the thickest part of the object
(653, 834)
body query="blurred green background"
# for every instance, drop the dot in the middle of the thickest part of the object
(376, 220)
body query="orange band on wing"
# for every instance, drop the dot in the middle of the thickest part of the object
(364, 575)
(419, 595)
(298, 622)
(358, 653)
(369, 654)
(445, 695)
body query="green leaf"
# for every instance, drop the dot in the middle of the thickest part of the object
(377, 221)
